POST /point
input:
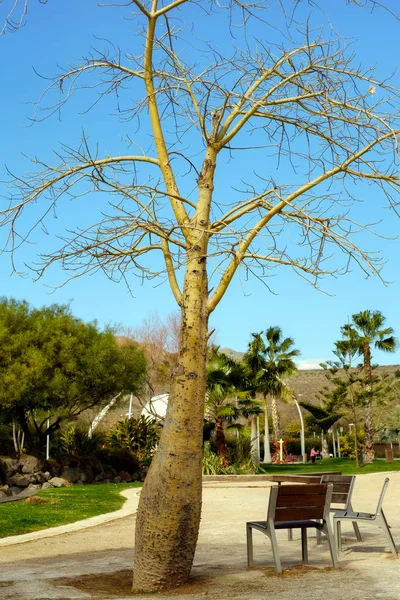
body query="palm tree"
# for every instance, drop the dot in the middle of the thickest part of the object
(368, 329)
(346, 380)
(226, 399)
(324, 418)
(266, 365)
(279, 354)
(257, 375)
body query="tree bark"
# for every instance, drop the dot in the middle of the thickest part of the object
(255, 441)
(221, 442)
(267, 449)
(368, 452)
(275, 419)
(168, 518)
(325, 446)
(169, 510)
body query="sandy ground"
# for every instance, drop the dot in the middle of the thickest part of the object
(96, 563)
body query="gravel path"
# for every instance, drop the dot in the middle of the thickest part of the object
(96, 563)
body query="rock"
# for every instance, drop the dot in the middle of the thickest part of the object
(2, 494)
(16, 490)
(5, 490)
(42, 477)
(59, 482)
(71, 474)
(46, 485)
(125, 476)
(20, 480)
(10, 465)
(117, 479)
(34, 486)
(53, 468)
(31, 464)
(87, 475)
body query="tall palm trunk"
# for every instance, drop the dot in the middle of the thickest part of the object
(267, 449)
(368, 452)
(255, 441)
(355, 420)
(325, 446)
(221, 442)
(169, 510)
(275, 418)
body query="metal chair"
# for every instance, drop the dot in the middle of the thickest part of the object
(343, 486)
(295, 507)
(378, 518)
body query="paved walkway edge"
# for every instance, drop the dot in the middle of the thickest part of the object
(129, 508)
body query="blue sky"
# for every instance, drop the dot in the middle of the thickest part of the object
(58, 33)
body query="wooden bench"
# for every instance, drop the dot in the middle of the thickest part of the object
(295, 507)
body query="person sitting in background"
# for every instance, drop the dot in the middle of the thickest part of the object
(313, 454)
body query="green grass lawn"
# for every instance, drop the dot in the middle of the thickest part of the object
(65, 505)
(346, 466)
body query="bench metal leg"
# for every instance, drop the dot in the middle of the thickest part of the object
(290, 535)
(250, 560)
(338, 535)
(384, 524)
(275, 550)
(357, 532)
(304, 549)
(331, 542)
(355, 527)
(319, 537)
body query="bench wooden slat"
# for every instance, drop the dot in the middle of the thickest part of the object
(299, 514)
(336, 477)
(300, 501)
(302, 490)
(342, 488)
(339, 498)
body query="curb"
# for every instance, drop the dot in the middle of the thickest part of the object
(129, 508)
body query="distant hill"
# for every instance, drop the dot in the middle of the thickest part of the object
(305, 384)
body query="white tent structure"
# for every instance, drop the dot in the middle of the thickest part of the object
(156, 408)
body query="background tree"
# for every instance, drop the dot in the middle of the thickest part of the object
(368, 329)
(299, 91)
(257, 382)
(324, 418)
(279, 364)
(53, 363)
(159, 340)
(345, 378)
(226, 399)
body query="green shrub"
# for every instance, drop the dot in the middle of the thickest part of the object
(211, 461)
(75, 441)
(121, 460)
(136, 436)
(6, 440)
(239, 450)
(347, 444)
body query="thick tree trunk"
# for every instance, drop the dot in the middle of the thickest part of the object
(168, 517)
(275, 419)
(368, 451)
(267, 449)
(221, 442)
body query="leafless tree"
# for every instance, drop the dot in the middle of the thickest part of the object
(13, 14)
(322, 131)
(160, 341)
